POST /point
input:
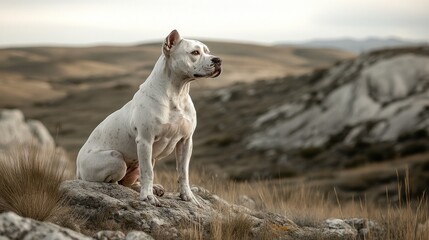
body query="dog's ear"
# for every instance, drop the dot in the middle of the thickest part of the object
(172, 39)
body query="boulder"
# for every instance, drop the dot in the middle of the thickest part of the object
(13, 227)
(121, 207)
(15, 130)
(31, 136)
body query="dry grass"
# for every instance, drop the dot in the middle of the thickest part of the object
(229, 227)
(190, 231)
(237, 227)
(402, 218)
(29, 183)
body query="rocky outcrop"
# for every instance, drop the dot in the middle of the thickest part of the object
(117, 207)
(376, 98)
(110, 211)
(121, 207)
(14, 227)
(15, 130)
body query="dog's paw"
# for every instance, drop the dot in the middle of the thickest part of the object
(189, 197)
(158, 190)
(151, 199)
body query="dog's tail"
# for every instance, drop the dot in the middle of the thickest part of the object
(29, 182)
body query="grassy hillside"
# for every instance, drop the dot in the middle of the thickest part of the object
(39, 74)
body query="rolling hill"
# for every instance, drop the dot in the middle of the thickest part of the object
(359, 45)
(39, 74)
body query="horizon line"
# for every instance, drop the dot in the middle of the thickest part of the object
(225, 40)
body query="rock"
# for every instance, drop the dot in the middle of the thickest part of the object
(13, 226)
(366, 229)
(330, 229)
(17, 134)
(246, 201)
(138, 235)
(109, 235)
(375, 98)
(113, 206)
(15, 130)
(121, 206)
(118, 235)
(339, 228)
(40, 133)
(284, 111)
(347, 229)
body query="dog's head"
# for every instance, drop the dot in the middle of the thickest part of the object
(190, 58)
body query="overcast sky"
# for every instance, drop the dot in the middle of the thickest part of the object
(36, 22)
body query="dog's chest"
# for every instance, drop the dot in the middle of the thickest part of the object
(180, 125)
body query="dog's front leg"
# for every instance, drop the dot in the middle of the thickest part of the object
(183, 157)
(144, 152)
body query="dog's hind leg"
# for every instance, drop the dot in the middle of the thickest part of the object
(102, 166)
(131, 176)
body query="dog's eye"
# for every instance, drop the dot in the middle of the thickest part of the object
(195, 53)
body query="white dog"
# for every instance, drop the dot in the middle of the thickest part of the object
(159, 119)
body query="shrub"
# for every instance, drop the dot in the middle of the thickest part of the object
(29, 182)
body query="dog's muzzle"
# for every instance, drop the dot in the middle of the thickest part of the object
(216, 62)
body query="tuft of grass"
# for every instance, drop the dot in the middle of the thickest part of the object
(188, 231)
(30, 177)
(227, 227)
(237, 227)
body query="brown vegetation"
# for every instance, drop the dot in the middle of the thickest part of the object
(402, 218)
(29, 180)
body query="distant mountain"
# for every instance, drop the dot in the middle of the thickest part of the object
(359, 45)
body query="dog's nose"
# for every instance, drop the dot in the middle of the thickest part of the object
(217, 60)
